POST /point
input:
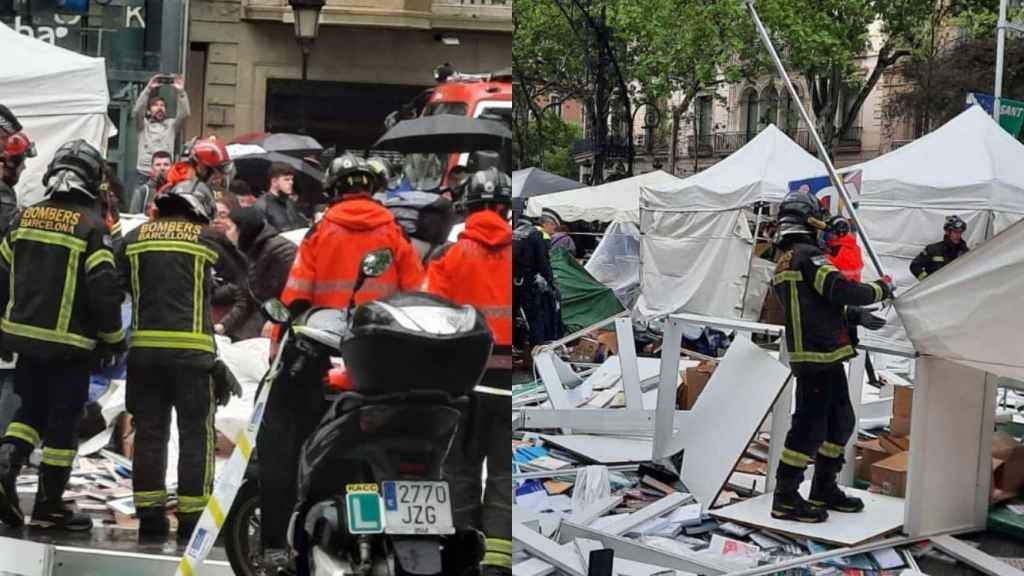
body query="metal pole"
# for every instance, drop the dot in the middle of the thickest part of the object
(1000, 48)
(305, 70)
(750, 264)
(836, 180)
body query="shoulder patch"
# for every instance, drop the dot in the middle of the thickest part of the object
(107, 241)
(820, 260)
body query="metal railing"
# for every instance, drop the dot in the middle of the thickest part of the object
(721, 144)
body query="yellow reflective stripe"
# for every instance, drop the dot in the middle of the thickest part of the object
(67, 298)
(10, 290)
(197, 295)
(189, 504)
(136, 293)
(499, 545)
(497, 559)
(218, 514)
(47, 335)
(938, 259)
(112, 337)
(185, 566)
(116, 228)
(151, 499)
(794, 458)
(878, 291)
(24, 432)
(58, 457)
(821, 276)
(787, 275)
(98, 257)
(211, 435)
(244, 444)
(822, 357)
(922, 275)
(830, 450)
(172, 246)
(5, 251)
(173, 340)
(794, 310)
(47, 237)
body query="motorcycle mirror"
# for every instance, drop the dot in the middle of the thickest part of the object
(275, 311)
(376, 263)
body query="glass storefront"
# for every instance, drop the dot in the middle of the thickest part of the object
(138, 38)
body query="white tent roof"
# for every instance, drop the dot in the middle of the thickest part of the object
(969, 163)
(984, 334)
(40, 79)
(619, 200)
(760, 170)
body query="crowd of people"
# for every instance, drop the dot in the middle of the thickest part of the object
(209, 253)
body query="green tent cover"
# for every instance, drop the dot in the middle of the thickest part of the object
(585, 301)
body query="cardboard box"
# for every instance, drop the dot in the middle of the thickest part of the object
(610, 341)
(586, 350)
(1003, 445)
(1010, 476)
(871, 451)
(889, 475)
(894, 444)
(902, 402)
(693, 384)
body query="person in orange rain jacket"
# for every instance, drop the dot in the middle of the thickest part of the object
(324, 274)
(844, 253)
(477, 271)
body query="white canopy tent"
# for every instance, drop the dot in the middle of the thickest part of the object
(696, 242)
(57, 95)
(969, 167)
(619, 200)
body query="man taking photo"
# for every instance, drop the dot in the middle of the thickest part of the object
(156, 131)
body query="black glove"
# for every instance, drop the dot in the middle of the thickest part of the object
(864, 318)
(108, 355)
(886, 286)
(6, 355)
(225, 384)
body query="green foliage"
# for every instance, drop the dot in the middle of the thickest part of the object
(552, 143)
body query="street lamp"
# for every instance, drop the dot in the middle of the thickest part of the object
(307, 26)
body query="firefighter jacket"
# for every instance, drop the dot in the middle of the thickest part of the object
(58, 283)
(530, 254)
(167, 265)
(327, 264)
(477, 271)
(814, 294)
(935, 256)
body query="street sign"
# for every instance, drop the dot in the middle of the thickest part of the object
(365, 513)
(1011, 112)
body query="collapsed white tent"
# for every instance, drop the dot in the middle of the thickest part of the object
(971, 311)
(696, 242)
(619, 200)
(57, 95)
(969, 167)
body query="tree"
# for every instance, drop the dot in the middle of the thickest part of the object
(548, 144)
(825, 41)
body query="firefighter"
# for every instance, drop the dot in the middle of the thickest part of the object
(15, 151)
(60, 290)
(205, 159)
(820, 305)
(533, 286)
(935, 256)
(324, 274)
(167, 264)
(477, 271)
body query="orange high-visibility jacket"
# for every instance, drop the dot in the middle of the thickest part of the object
(477, 271)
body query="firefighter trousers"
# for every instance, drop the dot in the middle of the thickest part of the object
(53, 395)
(486, 436)
(153, 390)
(823, 422)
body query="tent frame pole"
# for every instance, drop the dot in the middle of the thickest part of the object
(832, 174)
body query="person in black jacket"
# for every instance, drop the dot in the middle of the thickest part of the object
(533, 284)
(13, 153)
(935, 256)
(820, 305)
(270, 255)
(279, 204)
(59, 287)
(168, 265)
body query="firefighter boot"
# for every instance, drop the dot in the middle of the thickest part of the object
(153, 525)
(787, 504)
(49, 511)
(11, 460)
(186, 526)
(825, 491)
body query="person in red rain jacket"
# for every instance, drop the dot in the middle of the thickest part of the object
(844, 253)
(477, 271)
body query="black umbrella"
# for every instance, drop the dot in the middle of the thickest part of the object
(296, 145)
(255, 170)
(445, 133)
(536, 182)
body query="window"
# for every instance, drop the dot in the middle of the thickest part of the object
(750, 113)
(453, 108)
(704, 118)
(769, 107)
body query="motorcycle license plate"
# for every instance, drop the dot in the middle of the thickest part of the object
(418, 508)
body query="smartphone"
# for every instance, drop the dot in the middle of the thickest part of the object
(165, 79)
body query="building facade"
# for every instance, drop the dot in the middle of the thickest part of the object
(371, 57)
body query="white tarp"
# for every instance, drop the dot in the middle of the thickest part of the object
(969, 167)
(57, 95)
(971, 311)
(696, 241)
(619, 200)
(616, 261)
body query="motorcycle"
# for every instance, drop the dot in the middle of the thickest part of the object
(308, 344)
